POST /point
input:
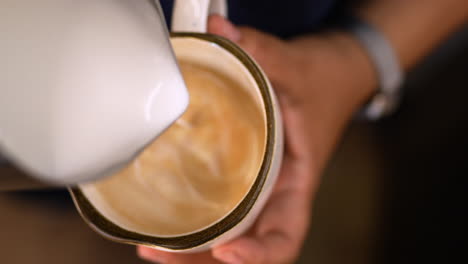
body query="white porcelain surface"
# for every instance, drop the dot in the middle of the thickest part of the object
(192, 15)
(84, 85)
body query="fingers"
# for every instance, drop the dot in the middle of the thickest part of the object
(273, 247)
(268, 51)
(277, 236)
(222, 27)
(152, 255)
(244, 250)
(162, 257)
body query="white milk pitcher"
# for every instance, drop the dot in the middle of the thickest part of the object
(84, 85)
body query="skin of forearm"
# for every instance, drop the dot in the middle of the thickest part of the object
(337, 78)
(415, 27)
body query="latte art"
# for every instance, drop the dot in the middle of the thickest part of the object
(198, 170)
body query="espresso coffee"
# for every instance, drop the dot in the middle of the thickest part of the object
(198, 170)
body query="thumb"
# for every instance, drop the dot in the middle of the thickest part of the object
(244, 250)
(218, 25)
(268, 51)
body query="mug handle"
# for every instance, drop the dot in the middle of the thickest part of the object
(192, 16)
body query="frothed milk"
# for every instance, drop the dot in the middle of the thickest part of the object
(84, 84)
(198, 170)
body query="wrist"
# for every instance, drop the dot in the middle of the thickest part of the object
(336, 70)
(336, 78)
(362, 76)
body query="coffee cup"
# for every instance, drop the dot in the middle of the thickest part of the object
(207, 178)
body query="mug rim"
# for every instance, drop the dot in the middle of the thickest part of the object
(103, 226)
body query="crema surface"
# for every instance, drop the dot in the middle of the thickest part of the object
(198, 170)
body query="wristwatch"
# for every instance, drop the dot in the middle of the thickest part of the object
(388, 68)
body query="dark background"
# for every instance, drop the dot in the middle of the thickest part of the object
(394, 192)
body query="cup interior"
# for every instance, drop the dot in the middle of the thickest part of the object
(231, 62)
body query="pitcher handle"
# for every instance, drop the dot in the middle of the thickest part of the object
(192, 16)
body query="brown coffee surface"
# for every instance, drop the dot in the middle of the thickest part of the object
(195, 172)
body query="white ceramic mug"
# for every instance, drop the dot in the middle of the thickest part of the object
(217, 53)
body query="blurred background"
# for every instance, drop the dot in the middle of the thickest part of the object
(394, 191)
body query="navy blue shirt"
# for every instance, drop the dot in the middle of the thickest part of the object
(283, 18)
